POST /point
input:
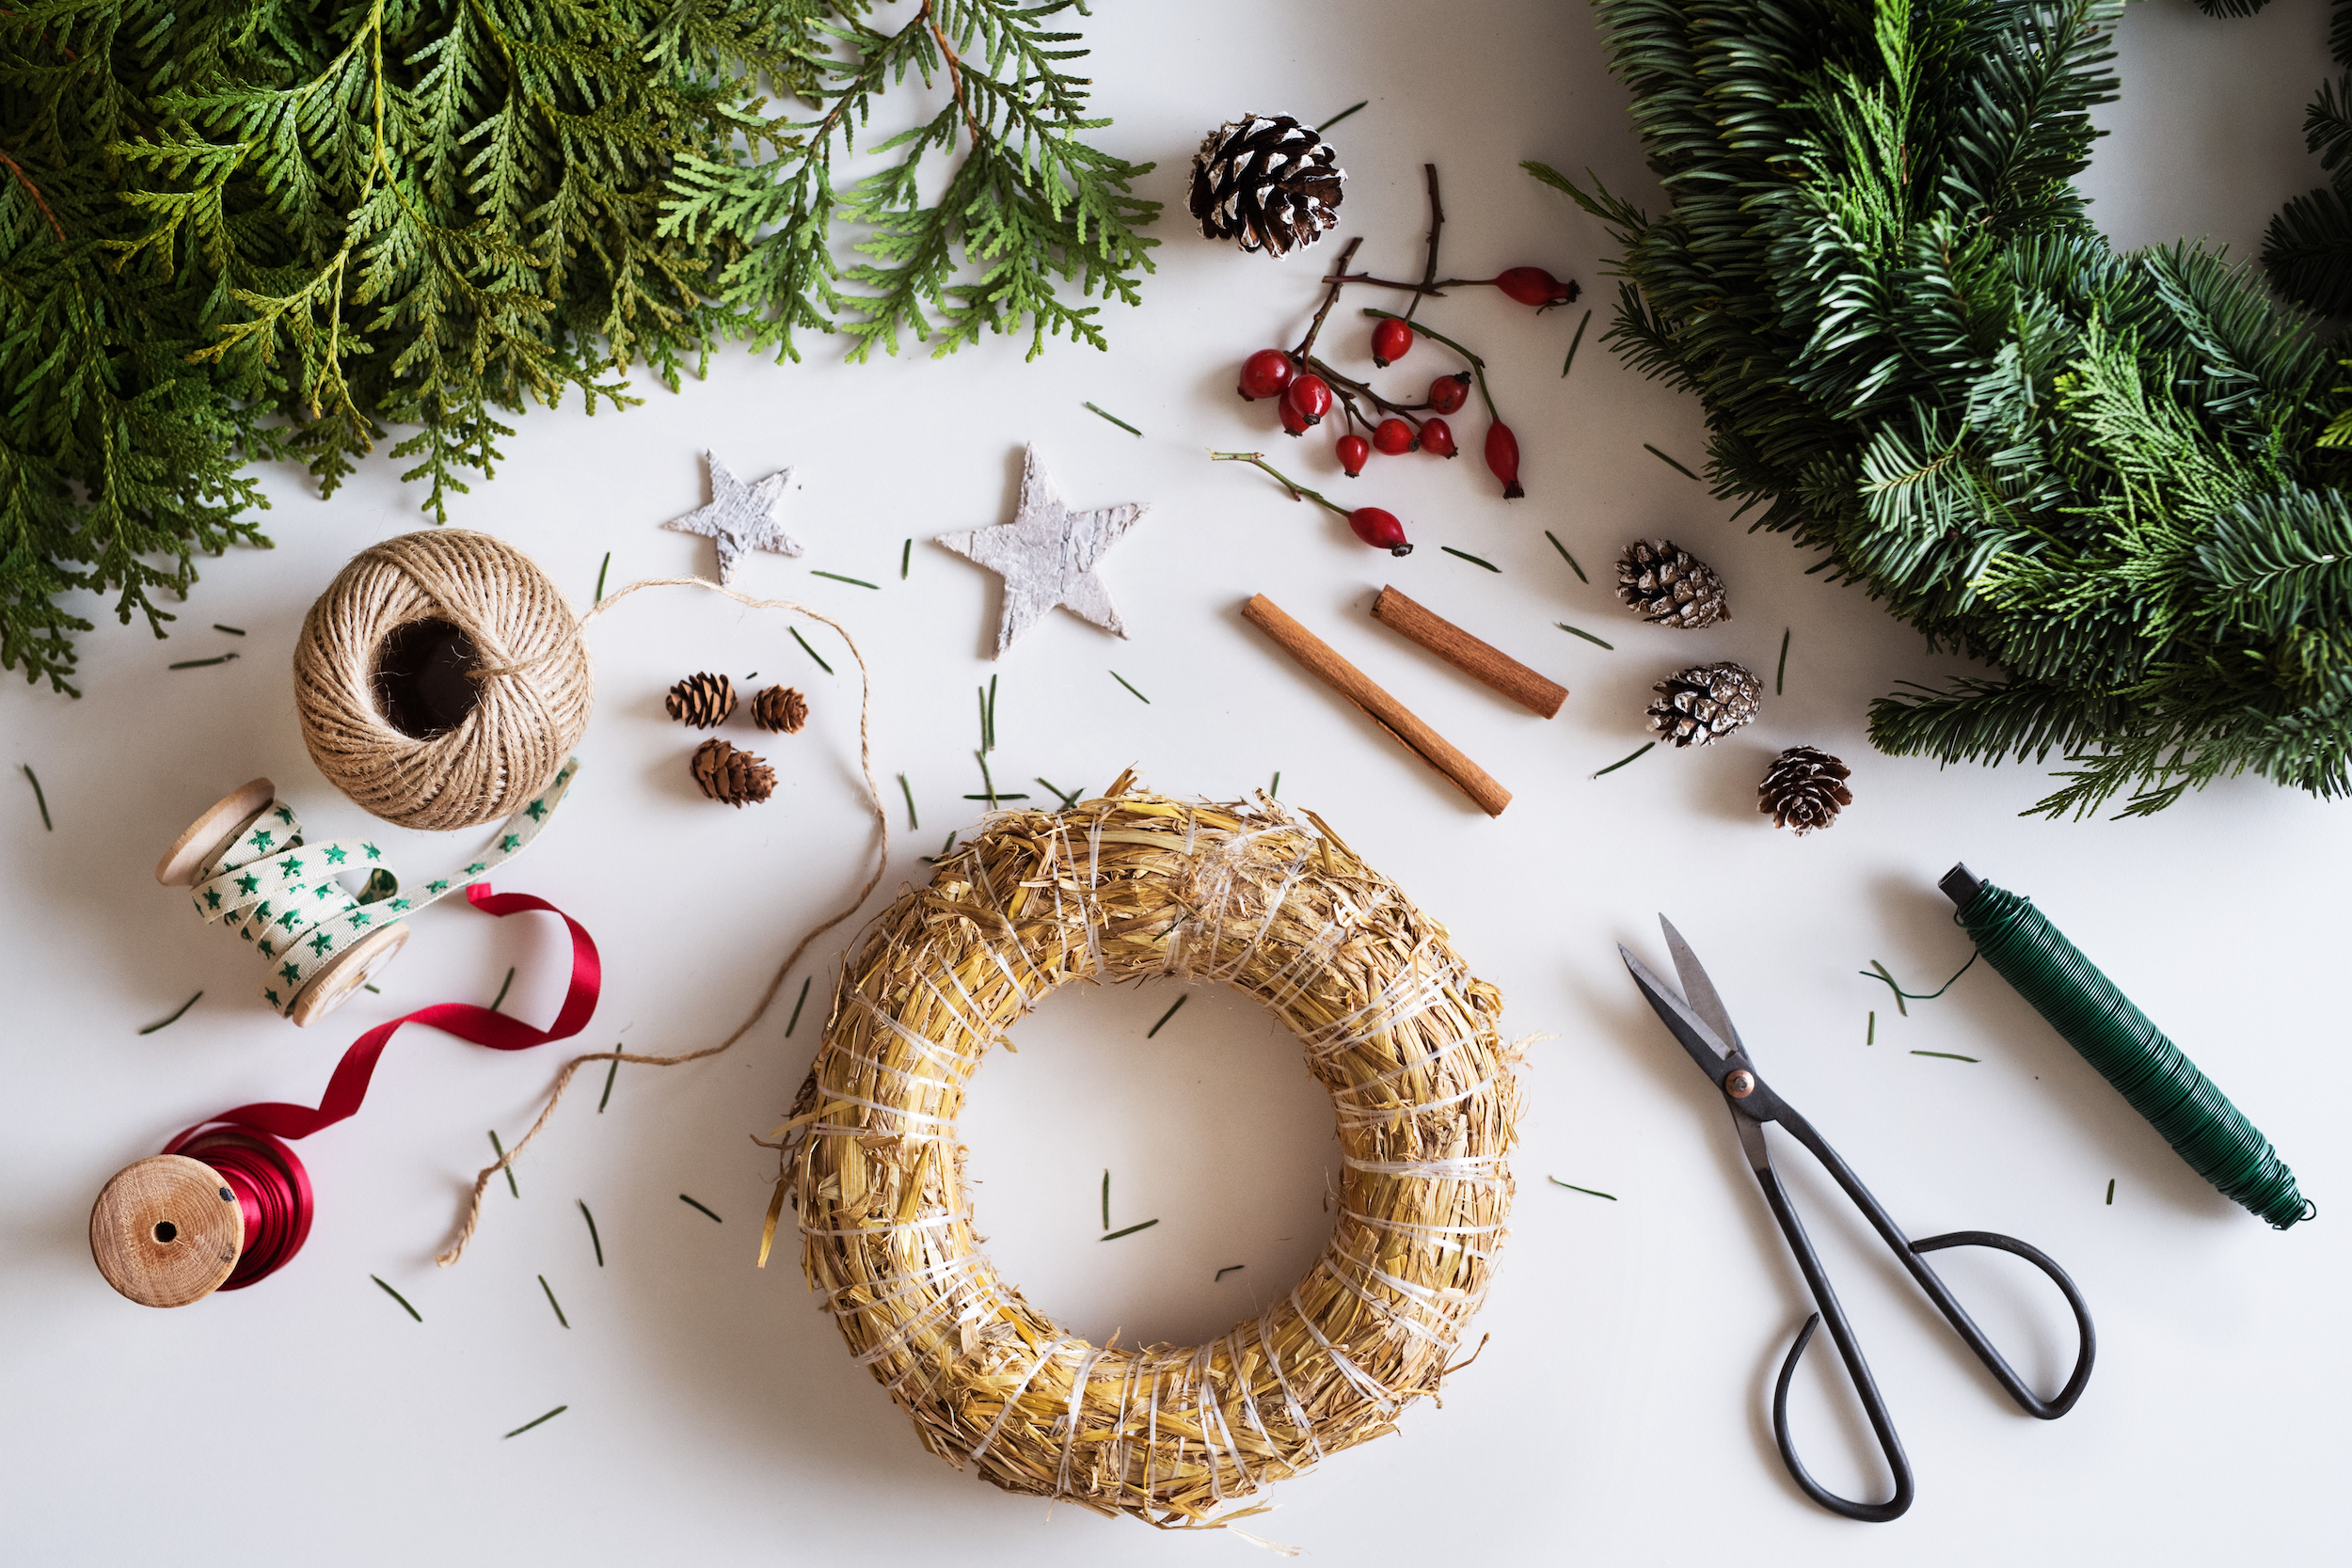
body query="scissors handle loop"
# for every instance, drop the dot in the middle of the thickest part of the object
(2088, 1344)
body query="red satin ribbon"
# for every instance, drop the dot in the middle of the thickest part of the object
(271, 1184)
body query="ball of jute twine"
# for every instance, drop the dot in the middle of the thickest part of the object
(1127, 887)
(534, 682)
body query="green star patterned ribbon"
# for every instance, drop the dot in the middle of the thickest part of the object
(282, 895)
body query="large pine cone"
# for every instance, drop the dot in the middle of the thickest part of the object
(735, 777)
(1266, 181)
(1661, 582)
(780, 708)
(703, 701)
(1704, 702)
(1804, 789)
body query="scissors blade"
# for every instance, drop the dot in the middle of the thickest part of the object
(1696, 1037)
(1697, 988)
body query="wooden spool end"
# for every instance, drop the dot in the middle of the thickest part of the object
(167, 1230)
(354, 966)
(211, 831)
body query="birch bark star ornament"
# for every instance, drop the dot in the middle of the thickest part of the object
(1047, 555)
(738, 516)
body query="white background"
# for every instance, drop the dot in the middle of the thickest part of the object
(1619, 1414)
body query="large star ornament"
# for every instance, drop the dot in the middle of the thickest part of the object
(1047, 555)
(740, 517)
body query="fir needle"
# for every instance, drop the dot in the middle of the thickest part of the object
(1226, 1270)
(1566, 556)
(1000, 794)
(705, 1207)
(1947, 1055)
(1341, 114)
(548, 1416)
(906, 559)
(979, 695)
(805, 981)
(2110, 1192)
(1117, 420)
(1166, 1015)
(372, 989)
(420, 1317)
(809, 651)
(1743, 506)
(1622, 761)
(1780, 679)
(600, 571)
(592, 1230)
(1589, 1192)
(500, 1150)
(1069, 797)
(552, 1302)
(1573, 344)
(992, 713)
(1107, 1198)
(201, 663)
(945, 851)
(1123, 681)
(233, 631)
(40, 796)
(858, 582)
(501, 996)
(175, 1015)
(1579, 631)
(1131, 1231)
(611, 1072)
(1872, 1035)
(1276, 793)
(987, 778)
(1475, 561)
(1669, 462)
(912, 821)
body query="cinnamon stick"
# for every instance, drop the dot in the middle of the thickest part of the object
(1323, 662)
(1480, 661)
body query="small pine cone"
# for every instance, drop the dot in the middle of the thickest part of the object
(1704, 702)
(1266, 181)
(735, 777)
(1672, 587)
(703, 701)
(1804, 789)
(780, 708)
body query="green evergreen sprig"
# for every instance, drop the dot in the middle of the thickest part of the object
(285, 228)
(2102, 472)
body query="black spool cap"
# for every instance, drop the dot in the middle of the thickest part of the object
(1960, 885)
(421, 683)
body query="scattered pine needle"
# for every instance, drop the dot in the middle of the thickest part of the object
(1669, 462)
(1107, 1198)
(548, 1416)
(1341, 114)
(1780, 678)
(2110, 1192)
(1116, 419)
(40, 796)
(233, 631)
(201, 663)
(1276, 793)
(1947, 1055)
(1872, 1036)
(1475, 561)
(904, 788)
(1574, 344)
(371, 988)
(1166, 1015)
(500, 1150)
(600, 571)
(1123, 681)
(906, 559)
(420, 1317)
(945, 851)
(593, 1237)
(1743, 506)
(809, 651)
(1589, 1192)
(175, 1015)
(806, 980)
(611, 1072)
(705, 1207)
(999, 795)
(1226, 1270)
(1069, 797)
(552, 1302)
(1579, 631)
(1567, 557)
(836, 576)
(1131, 1231)
(1622, 761)
(503, 988)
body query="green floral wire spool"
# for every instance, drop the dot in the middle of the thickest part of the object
(2128, 1051)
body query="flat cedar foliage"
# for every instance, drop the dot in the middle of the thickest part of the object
(2102, 472)
(238, 230)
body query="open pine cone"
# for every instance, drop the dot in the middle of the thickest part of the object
(1266, 181)
(780, 708)
(1804, 789)
(703, 701)
(735, 777)
(1664, 583)
(1704, 702)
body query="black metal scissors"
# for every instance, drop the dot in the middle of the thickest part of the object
(1704, 1030)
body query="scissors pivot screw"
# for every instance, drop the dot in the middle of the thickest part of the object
(1739, 1085)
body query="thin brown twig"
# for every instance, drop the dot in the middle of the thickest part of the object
(32, 190)
(955, 72)
(1307, 344)
(1437, 224)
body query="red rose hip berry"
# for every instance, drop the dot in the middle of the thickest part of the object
(1537, 287)
(1449, 392)
(1393, 437)
(1310, 397)
(1292, 423)
(1380, 529)
(1354, 452)
(1437, 437)
(1391, 340)
(1502, 458)
(1265, 374)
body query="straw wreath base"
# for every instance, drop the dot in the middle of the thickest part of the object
(1130, 886)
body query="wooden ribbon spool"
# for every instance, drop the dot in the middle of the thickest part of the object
(209, 837)
(167, 1230)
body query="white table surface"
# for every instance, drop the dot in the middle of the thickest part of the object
(1619, 1414)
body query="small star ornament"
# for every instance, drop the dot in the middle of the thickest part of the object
(739, 516)
(1047, 555)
